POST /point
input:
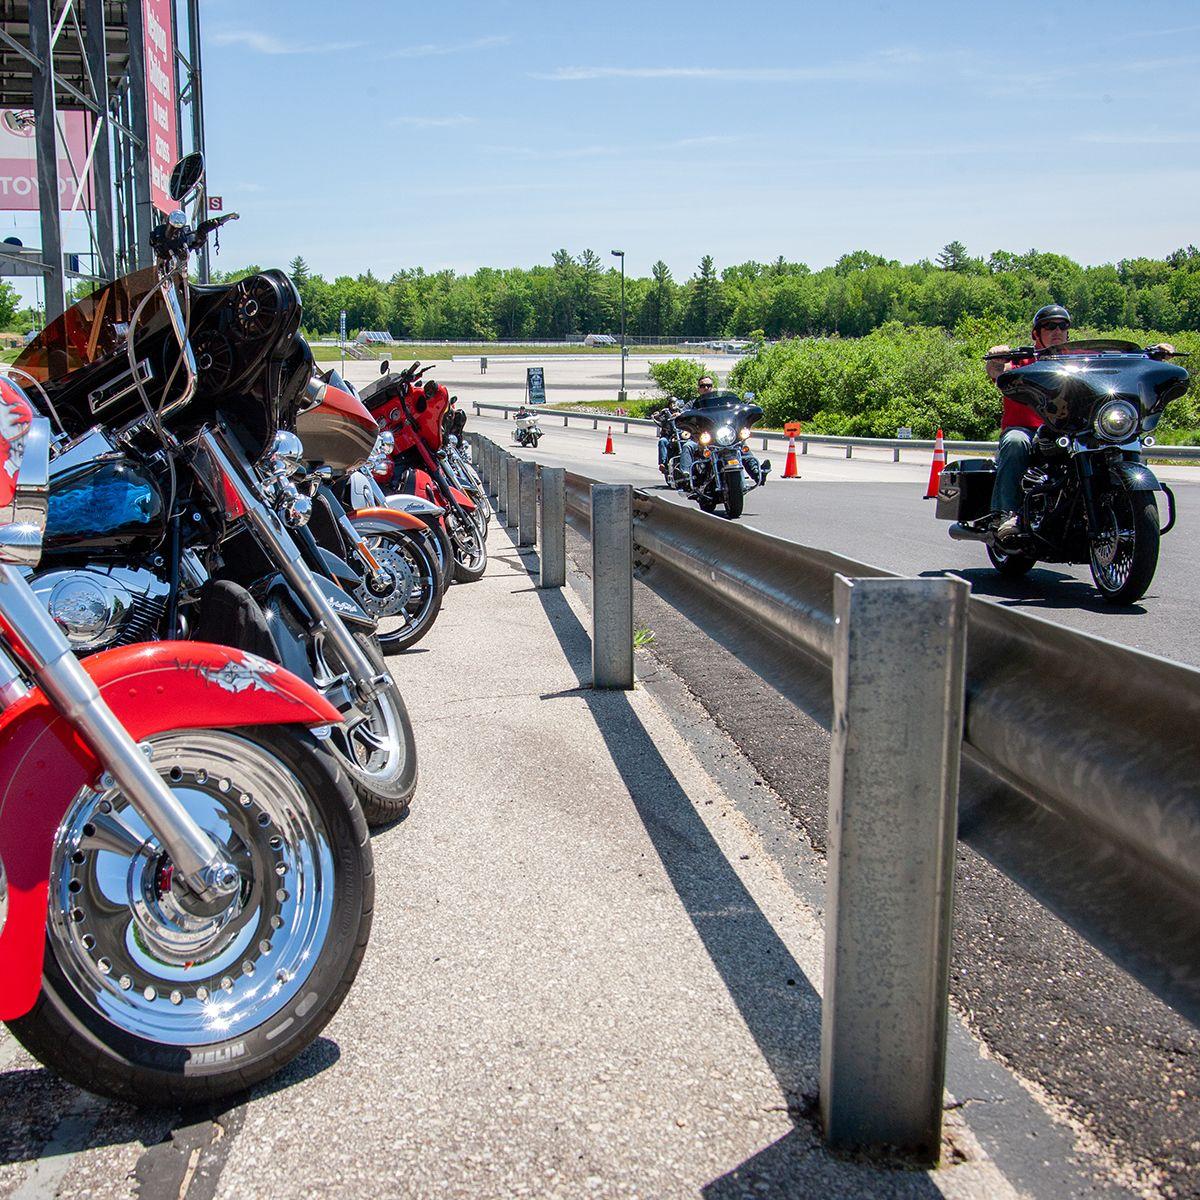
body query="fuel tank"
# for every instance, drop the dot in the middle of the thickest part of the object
(337, 431)
(110, 507)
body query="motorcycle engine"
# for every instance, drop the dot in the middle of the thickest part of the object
(99, 607)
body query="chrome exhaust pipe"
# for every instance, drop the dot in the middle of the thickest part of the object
(967, 533)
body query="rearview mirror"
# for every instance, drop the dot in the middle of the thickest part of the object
(186, 178)
(26, 447)
(385, 366)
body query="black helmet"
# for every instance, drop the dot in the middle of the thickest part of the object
(1050, 312)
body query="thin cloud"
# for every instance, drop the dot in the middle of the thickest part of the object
(432, 122)
(434, 49)
(877, 66)
(1139, 139)
(267, 43)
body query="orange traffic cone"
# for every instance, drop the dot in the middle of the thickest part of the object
(935, 468)
(790, 471)
(608, 446)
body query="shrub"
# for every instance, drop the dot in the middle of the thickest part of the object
(677, 377)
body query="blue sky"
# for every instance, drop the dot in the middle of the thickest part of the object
(465, 134)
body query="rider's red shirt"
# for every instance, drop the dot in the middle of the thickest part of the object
(1015, 415)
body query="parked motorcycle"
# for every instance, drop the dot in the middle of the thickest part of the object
(526, 431)
(1087, 497)
(186, 884)
(413, 415)
(718, 426)
(173, 512)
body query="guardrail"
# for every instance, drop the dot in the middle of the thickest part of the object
(1102, 735)
(895, 445)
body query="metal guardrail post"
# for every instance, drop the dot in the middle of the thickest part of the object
(612, 585)
(502, 482)
(565, 420)
(552, 563)
(626, 429)
(512, 492)
(898, 682)
(895, 454)
(527, 503)
(595, 422)
(849, 450)
(803, 446)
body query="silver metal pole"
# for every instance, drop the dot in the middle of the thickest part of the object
(898, 673)
(102, 170)
(553, 560)
(502, 482)
(612, 585)
(45, 125)
(527, 503)
(512, 511)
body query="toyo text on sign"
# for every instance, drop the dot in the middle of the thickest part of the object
(160, 100)
(18, 160)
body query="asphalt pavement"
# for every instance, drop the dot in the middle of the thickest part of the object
(594, 971)
(872, 509)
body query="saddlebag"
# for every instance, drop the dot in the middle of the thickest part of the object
(965, 490)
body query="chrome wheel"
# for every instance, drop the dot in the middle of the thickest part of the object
(146, 954)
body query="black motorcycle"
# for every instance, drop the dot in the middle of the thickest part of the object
(1086, 496)
(723, 468)
(172, 513)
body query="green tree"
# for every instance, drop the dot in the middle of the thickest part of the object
(298, 270)
(953, 257)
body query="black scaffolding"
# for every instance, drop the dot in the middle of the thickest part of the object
(60, 55)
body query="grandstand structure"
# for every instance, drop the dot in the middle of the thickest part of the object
(109, 93)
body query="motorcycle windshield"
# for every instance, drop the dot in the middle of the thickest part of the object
(93, 329)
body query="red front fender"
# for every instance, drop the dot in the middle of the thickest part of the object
(389, 516)
(467, 503)
(152, 688)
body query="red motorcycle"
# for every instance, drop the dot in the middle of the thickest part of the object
(413, 415)
(186, 884)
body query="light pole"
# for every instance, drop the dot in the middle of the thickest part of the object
(621, 395)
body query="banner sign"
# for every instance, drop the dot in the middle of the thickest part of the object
(18, 160)
(160, 100)
(535, 385)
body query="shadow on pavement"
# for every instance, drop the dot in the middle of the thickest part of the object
(780, 1007)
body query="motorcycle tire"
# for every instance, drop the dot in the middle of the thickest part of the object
(412, 559)
(122, 1014)
(384, 788)
(1010, 566)
(469, 547)
(533, 442)
(735, 498)
(1124, 575)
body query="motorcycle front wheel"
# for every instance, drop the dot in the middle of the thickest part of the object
(153, 996)
(1124, 549)
(735, 497)
(408, 608)
(375, 745)
(469, 547)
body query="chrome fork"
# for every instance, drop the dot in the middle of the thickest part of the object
(274, 535)
(196, 857)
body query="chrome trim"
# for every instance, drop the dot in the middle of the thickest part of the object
(104, 397)
(74, 693)
(3, 896)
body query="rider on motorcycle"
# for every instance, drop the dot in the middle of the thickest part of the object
(687, 448)
(1019, 424)
(666, 432)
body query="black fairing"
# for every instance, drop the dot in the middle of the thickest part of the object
(721, 408)
(251, 365)
(1065, 389)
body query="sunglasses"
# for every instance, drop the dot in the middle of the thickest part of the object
(705, 387)
(1060, 325)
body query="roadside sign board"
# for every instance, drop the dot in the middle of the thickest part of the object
(162, 140)
(535, 385)
(342, 325)
(905, 431)
(215, 203)
(793, 429)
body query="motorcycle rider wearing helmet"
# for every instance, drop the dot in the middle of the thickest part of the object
(1019, 424)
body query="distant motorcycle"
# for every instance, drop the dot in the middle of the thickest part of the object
(1087, 497)
(527, 432)
(718, 425)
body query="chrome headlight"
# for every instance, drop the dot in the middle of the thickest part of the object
(1117, 421)
(725, 435)
(705, 438)
(744, 433)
